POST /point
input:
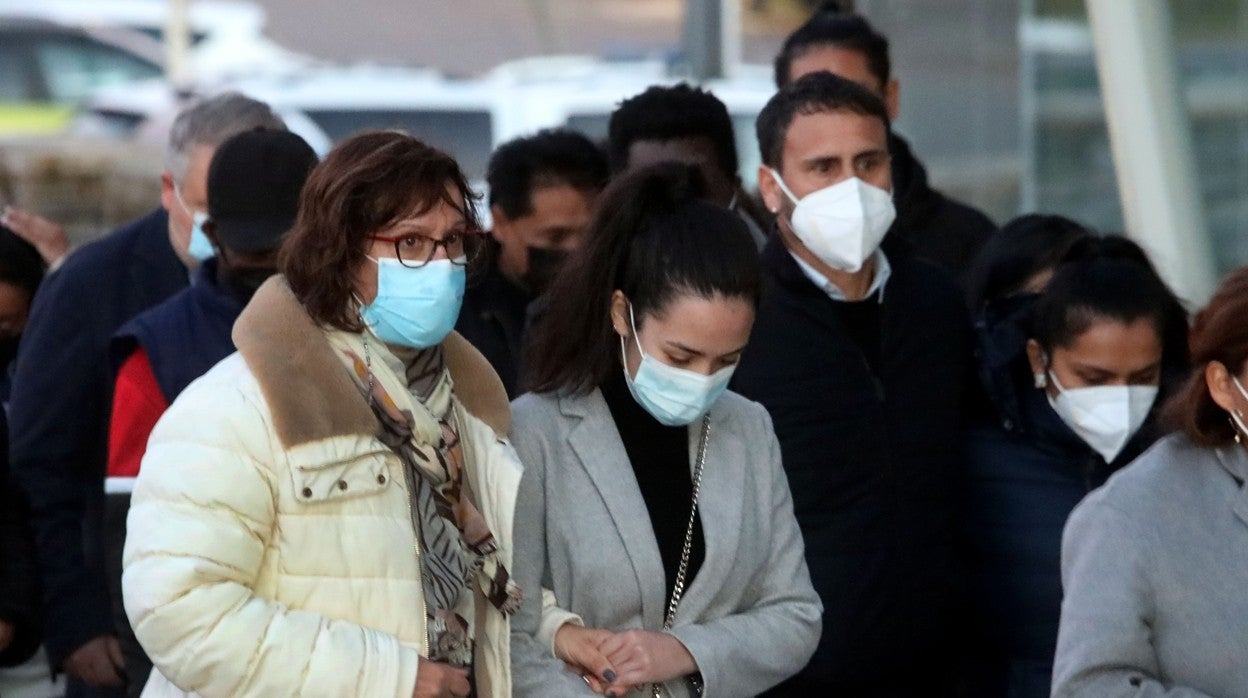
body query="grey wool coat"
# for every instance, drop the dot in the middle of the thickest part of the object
(1155, 570)
(750, 617)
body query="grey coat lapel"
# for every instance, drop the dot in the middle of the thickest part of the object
(1234, 460)
(596, 442)
(720, 507)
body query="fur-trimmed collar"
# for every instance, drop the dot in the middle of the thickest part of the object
(311, 395)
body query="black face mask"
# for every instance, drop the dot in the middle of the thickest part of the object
(8, 351)
(242, 282)
(544, 264)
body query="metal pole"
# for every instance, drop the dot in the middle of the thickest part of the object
(703, 39)
(730, 36)
(1152, 142)
(178, 44)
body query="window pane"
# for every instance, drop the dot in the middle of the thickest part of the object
(73, 68)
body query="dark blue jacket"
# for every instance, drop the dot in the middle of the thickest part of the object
(19, 578)
(184, 336)
(872, 459)
(1027, 471)
(59, 413)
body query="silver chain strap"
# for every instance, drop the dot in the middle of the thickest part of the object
(678, 589)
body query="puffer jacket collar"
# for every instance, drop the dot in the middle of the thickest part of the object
(312, 397)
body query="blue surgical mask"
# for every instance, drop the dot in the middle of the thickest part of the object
(200, 248)
(673, 396)
(415, 308)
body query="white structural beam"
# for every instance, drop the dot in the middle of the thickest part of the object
(178, 44)
(1152, 142)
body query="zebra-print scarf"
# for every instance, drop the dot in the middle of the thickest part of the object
(455, 541)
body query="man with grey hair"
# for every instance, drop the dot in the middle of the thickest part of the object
(62, 396)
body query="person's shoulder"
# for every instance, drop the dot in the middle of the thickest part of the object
(916, 281)
(742, 411)
(224, 405)
(98, 263)
(1166, 470)
(531, 409)
(956, 216)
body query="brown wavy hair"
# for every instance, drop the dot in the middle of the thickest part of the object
(367, 183)
(1220, 333)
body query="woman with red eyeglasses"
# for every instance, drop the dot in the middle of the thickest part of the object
(328, 512)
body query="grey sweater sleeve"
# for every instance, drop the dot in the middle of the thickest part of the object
(534, 669)
(1104, 646)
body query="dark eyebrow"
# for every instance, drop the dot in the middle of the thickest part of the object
(1151, 368)
(695, 352)
(871, 154)
(821, 158)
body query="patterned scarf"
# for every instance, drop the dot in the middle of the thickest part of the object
(456, 543)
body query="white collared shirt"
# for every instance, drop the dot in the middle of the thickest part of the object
(883, 270)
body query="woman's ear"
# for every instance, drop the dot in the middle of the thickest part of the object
(619, 314)
(1221, 389)
(1038, 362)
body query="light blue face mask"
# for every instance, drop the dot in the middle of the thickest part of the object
(674, 396)
(415, 308)
(200, 248)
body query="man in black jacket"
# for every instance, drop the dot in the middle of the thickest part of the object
(542, 192)
(62, 392)
(862, 359)
(934, 226)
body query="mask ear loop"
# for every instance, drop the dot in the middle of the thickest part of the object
(783, 187)
(632, 322)
(1237, 425)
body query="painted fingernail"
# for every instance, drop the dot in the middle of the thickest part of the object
(609, 676)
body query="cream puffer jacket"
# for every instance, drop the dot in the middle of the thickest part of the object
(270, 549)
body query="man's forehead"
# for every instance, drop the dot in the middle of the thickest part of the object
(843, 62)
(691, 150)
(835, 132)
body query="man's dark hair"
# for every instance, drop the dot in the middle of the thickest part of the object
(812, 94)
(551, 157)
(835, 24)
(20, 263)
(1022, 248)
(665, 113)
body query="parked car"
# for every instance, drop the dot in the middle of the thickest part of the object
(46, 69)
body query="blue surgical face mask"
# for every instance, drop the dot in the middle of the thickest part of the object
(415, 308)
(673, 396)
(200, 248)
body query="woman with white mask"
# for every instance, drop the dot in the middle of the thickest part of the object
(1103, 337)
(653, 505)
(1154, 563)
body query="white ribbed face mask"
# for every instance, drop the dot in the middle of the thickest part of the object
(844, 224)
(1105, 417)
